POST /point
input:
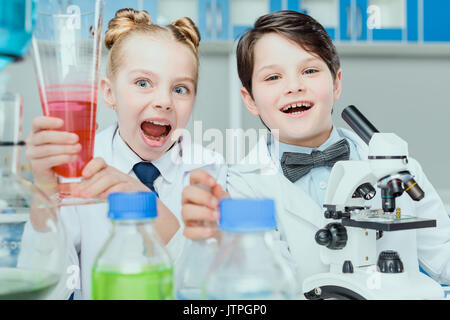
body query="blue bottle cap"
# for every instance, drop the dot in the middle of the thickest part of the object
(247, 215)
(132, 205)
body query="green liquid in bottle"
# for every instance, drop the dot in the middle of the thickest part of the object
(152, 283)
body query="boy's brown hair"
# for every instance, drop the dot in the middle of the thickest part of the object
(295, 26)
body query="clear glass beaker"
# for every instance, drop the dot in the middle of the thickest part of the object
(32, 241)
(67, 53)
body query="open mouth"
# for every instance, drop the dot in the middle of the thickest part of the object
(297, 108)
(156, 130)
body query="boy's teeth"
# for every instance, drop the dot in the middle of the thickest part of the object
(298, 108)
(305, 105)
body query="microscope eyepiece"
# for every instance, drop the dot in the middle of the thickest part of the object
(359, 123)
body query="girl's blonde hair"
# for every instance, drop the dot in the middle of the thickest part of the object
(128, 22)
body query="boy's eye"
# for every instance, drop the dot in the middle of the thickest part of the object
(272, 78)
(311, 71)
(180, 90)
(143, 83)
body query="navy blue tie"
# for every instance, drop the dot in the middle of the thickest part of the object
(147, 174)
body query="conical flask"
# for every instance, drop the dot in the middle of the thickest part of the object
(32, 240)
(67, 44)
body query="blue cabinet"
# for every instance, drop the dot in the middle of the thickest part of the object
(344, 20)
(255, 9)
(436, 20)
(377, 20)
(396, 20)
(214, 17)
(381, 29)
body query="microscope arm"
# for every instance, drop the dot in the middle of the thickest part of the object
(345, 179)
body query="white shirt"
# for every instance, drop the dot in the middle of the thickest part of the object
(315, 182)
(88, 227)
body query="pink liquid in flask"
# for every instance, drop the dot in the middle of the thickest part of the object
(79, 118)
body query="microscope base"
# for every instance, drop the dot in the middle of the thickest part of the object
(364, 284)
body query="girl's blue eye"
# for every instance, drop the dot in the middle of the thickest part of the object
(143, 83)
(272, 78)
(180, 90)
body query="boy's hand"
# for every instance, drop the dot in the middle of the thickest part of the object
(47, 147)
(100, 179)
(200, 205)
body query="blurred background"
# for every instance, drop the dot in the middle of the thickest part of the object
(395, 56)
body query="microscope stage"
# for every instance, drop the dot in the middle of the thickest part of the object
(387, 222)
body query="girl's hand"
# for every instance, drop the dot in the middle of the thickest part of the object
(100, 179)
(200, 205)
(47, 147)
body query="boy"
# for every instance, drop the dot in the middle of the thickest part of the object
(291, 76)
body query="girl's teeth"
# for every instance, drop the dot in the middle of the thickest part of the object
(158, 123)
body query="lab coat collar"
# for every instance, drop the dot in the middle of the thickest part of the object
(262, 166)
(194, 156)
(259, 159)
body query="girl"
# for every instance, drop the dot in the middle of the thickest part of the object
(151, 83)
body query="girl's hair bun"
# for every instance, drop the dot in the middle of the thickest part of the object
(124, 21)
(188, 29)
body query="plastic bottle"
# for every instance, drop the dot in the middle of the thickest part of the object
(248, 266)
(194, 262)
(190, 275)
(132, 264)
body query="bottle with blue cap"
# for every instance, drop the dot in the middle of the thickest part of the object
(192, 268)
(194, 262)
(248, 265)
(133, 264)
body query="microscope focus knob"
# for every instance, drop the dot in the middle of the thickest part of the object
(389, 262)
(333, 236)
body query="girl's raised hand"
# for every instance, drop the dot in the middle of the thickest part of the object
(47, 147)
(100, 179)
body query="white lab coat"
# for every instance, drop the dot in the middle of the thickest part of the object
(87, 227)
(299, 217)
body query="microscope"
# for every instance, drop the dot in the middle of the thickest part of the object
(349, 242)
